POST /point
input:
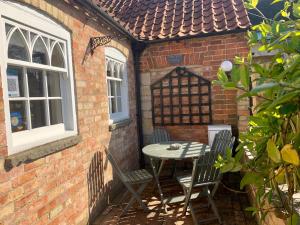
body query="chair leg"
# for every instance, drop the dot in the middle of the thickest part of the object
(135, 196)
(193, 214)
(188, 194)
(215, 188)
(213, 206)
(174, 169)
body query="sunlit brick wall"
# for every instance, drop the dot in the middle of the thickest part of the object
(202, 56)
(57, 189)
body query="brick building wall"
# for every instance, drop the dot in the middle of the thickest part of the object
(202, 56)
(71, 186)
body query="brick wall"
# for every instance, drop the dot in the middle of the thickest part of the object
(202, 56)
(70, 186)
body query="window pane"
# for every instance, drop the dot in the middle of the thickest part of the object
(40, 54)
(8, 28)
(121, 72)
(35, 83)
(119, 104)
(108, 87)
(37, 109)
(113, 105)
(15, 81)
(55, 111)
(53, 83)
(32, 36)
(18, 118)
(57, 58)
(17, 48)
(108, 69)
(112, 88)
(118, 86)
(116, 70)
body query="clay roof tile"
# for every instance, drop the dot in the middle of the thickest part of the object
(161, 19)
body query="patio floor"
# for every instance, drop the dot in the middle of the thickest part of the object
(230, 205)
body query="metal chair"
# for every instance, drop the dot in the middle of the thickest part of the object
(205, 175)
(130, 179)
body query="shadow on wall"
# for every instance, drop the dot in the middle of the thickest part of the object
(98, 192)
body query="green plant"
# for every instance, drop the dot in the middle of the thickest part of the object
(273, 136)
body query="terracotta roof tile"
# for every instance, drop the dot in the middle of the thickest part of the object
(161, 19)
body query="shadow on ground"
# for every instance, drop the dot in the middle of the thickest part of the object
(230, 205)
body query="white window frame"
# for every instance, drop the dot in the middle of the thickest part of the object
(114, 55)
(31, 19)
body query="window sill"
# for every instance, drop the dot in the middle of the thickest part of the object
(38, 152)
(119, 124)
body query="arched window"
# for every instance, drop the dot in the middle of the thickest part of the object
(39, 78)
(117, 85)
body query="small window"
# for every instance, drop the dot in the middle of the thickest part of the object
(117, 87)
(40, 93)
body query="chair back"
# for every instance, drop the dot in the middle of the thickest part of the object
(160, 135)
(205, 172)
(115, 166)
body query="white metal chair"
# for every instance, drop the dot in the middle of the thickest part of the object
(137, 177)
(205, 175)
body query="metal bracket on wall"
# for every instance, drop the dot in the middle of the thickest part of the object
(99, 41)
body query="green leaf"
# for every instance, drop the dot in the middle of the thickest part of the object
(296, 9)
(290, 155)
(294, 219)
(237, 167)
(252, 178)
(228, 153)
(222, 76)
(250, 209)
(264, 86)
(273, 151)
(254, 3)
(230, 85)
(248, 5)
(284, 98)
(258, 69)
(284, 13)
(227, 167)
(288, 108)
(263, 48)
(235, 74)
(276, 1)
(297, 140)
(245, 77)
(279, 60)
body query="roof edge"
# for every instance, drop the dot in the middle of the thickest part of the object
(108, 19)
(235, 31)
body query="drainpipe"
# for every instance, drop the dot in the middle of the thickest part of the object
(137, 50)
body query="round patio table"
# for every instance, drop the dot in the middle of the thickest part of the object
(187, 150)
(162, 151)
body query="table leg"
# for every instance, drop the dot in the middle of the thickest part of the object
(156, 177)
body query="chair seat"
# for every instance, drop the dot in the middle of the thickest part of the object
(186, 180)
(138, 176)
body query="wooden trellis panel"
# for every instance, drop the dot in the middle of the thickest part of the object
(181, 98)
